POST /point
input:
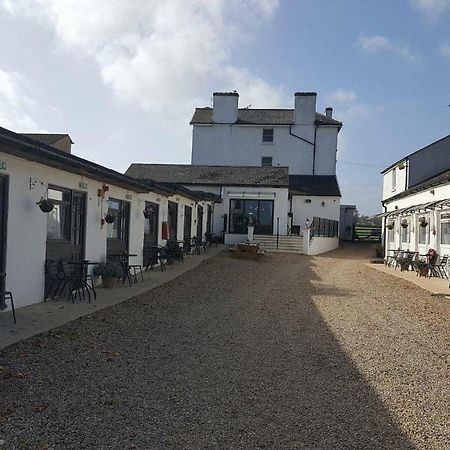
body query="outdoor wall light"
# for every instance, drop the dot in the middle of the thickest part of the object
(323, 204)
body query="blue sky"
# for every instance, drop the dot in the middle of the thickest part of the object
(122, 77)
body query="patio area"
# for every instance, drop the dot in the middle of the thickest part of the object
(40, 317)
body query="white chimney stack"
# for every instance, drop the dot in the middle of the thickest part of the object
(225, 107)
(329, 112)
(305, 108)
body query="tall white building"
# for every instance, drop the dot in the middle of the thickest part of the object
(300, 138)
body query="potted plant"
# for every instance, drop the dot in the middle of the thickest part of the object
(421, 267)
(109, 271)
(147, 213)
(379, 250)
(390, 225)
(404, 223)
(45, 205)
(109, 218)
(423, 222)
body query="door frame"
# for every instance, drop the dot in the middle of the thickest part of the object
(4, 201)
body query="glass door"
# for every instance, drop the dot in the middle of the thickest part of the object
(187, 224)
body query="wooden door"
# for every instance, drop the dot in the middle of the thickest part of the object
(4, 185)
(150, 228)
(187, 224)
(200, 222)
(173, 220)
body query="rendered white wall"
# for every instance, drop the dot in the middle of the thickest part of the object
(303, 210)
(241, 145)
(401, 174)
(319, 245)
(27, 225)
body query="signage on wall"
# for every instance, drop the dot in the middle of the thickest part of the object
(82, 185)
(2, 165)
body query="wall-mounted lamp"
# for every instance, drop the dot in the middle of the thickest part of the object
(323, 204)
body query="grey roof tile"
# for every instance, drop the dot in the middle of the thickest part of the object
(260, 117)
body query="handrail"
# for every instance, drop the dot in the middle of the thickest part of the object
(321, 227)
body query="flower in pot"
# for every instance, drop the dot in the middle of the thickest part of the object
(46, 205)
(404, 223)
(109, 218)
(147, 213)
(421, 267)
(390, 225)
(379, 250)
(109, 271)
(423, 222)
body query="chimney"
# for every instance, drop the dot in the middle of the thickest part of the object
(225, 107)
(329, 112)
(305, 108)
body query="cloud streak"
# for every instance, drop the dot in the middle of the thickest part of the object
(432, 8)
(162, 54)
(375, 44)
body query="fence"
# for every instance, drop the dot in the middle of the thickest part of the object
(366, 233)
(324, 228)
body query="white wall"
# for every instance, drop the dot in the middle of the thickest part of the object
(241, 145)
(430, 195)
(319, 245)
(400, 175)
(278, 195)
(27, 225)
(302, 210)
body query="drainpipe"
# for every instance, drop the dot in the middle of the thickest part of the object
(308, 142)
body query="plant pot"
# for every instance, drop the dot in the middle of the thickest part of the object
(108, 282)
(109, 218)
(46, 205)
(423, 224)
(423, 272)
(390, 226)
(404, 225)
(146, 213)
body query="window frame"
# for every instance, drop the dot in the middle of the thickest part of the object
(266, 158)
(444, 220)
(425, 229)
(394, 179)
(268, 135)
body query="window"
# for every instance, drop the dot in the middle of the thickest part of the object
(445, 229)
(266, 161)
(260, 210)
(394, 179)
(119, 229)
(58, 220)
(391, 235)
(424, 232)
(405, 231)
(267, 135)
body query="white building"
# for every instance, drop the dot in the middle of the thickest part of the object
(416, 200)
(300, 139)
(83, 193)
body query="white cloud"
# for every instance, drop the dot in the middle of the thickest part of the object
(382, 43)
(432, 8)
(445, 49)
(160, 53)
(14, 103)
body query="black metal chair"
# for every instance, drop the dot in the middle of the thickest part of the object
(6, 296)
(440, 269)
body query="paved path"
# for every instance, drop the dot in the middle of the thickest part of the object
(286, 352)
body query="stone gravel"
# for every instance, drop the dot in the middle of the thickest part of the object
(285, 352)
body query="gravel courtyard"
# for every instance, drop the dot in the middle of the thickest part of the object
(286, 352)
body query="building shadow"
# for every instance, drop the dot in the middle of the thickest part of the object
(233, 354)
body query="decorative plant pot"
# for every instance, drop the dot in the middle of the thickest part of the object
(404, 224)
(46, 205)
(423, 272)
(147, 213)
(109, 218)
(423, 223)
(390, 226)
(108, 282)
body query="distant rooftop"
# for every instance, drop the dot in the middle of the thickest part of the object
(260, 117)
(211, 175)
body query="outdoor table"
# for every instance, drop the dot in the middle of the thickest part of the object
(124, 261)
(83, 275)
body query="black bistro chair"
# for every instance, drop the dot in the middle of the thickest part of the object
(6, 296)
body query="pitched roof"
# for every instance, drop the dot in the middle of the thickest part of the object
(211, 175)
(322, 185)
(260, 117)
(442, 178)
(46, 138)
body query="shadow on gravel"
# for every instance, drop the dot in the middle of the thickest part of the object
(233, 354)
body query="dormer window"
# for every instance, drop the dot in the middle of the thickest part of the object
(267, 135)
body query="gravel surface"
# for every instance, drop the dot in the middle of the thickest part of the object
(285, 352)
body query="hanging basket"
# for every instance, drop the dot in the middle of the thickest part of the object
(46, 205)
(404, 224)
(109, 218)
(390, 226)
(147, 213)
(423, 223)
